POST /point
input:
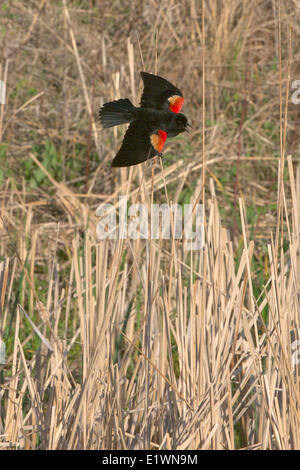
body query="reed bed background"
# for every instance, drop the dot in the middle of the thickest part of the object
(140, 344)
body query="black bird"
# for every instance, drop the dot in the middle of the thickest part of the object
(157, 118)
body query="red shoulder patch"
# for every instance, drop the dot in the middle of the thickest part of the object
(158, 140)
(176, 103)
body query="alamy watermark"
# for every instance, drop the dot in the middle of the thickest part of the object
(162, 221)
(296, 354)
(296, 94)
(2, 92)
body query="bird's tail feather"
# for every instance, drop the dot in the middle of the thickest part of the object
(116, 112)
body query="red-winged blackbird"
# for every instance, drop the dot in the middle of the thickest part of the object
(157, 118)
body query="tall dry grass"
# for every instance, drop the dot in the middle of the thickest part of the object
(138, 344)
(172, 351)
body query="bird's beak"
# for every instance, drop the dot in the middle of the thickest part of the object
(188, 125)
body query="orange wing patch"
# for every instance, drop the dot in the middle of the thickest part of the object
(176, 103)
(158, 140)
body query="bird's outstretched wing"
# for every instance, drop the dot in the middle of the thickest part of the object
(160, 94)
(139, 144)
